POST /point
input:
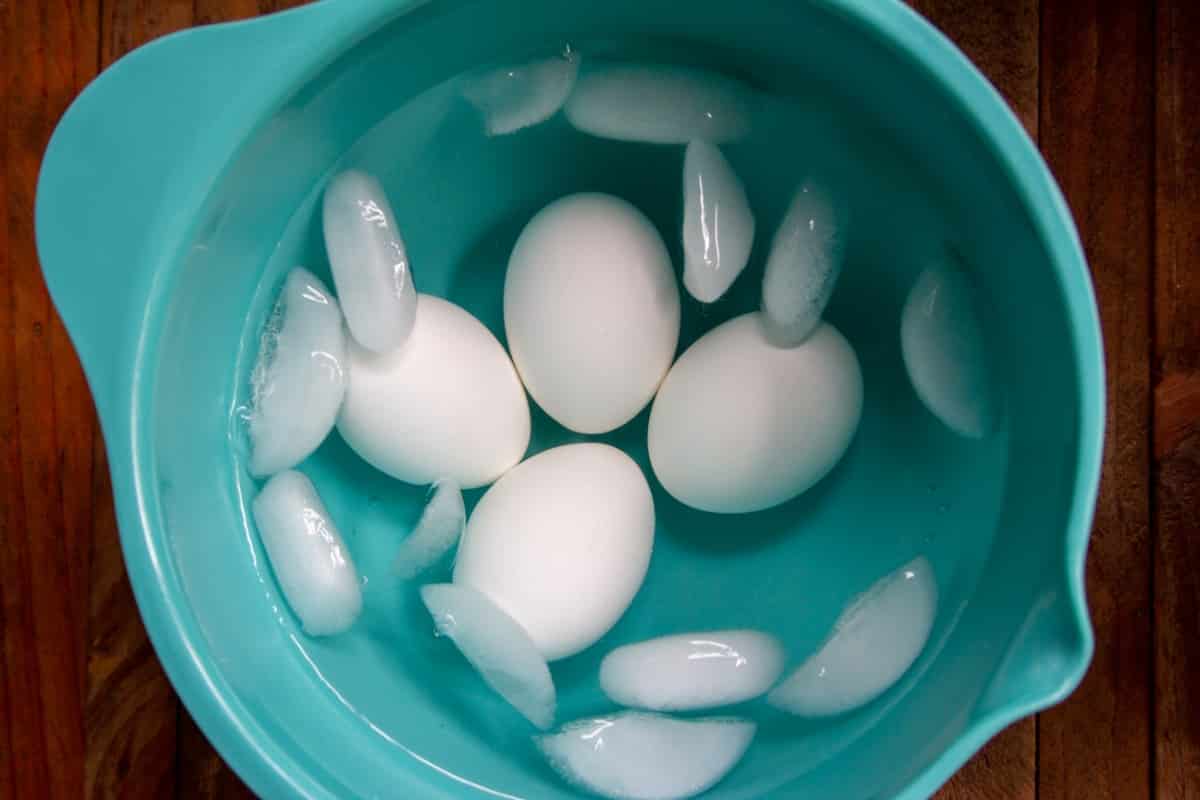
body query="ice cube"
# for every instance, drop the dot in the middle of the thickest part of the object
(718, 226)
(659, 104)
(370, 265)
(497, 646)
(692, 670)
(307, 554)
(437, 531)
(638, 756)
(873, 643)
(803, 265)
(299, 379)
(512, 98)
(944, 351)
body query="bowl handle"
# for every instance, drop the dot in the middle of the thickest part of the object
(137, 152)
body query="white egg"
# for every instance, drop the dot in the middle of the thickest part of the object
(943, 346)
(740, 424)
(446, 405)
(307, 554)
(688, 671)
(561, 543)
(591, 310)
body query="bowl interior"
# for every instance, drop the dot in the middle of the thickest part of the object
(388, 708)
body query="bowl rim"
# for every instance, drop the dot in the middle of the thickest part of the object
(265, 763)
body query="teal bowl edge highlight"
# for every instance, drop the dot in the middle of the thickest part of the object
(150, 211)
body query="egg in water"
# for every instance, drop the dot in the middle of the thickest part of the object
(561, 544)
(446, 405)
(741, 425)
(591, 310)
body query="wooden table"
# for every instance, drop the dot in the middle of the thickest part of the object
(1111, 91)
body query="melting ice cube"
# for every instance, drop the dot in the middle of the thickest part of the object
(803, 266)
(497, 646)
(437, 531)
(944, 352)
(692, 670)
(369, 262)
(299, 379)
(512, 98)
(639, 756)
(659, 104)
(873, 643)
(307, 554)
(718, 226)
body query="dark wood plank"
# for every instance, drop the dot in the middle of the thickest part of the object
(1002, 39)
(1006, 769)
(208, 11)
(1097, 72)
(1177, 403)
(201, 774)
(46, 424)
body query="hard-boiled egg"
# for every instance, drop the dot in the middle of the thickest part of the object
(561, 544)
(446, 405)
(740, 424)
(591, 310)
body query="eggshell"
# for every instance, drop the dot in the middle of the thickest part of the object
(591, 310)
(561, 543)
(446, 405)
(740, 425)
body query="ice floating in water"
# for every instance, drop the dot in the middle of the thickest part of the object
(718, 226)
(639, 756)
(944, 352)
(874, 642)
(659, 104)
(369, 262)
(512, 98)
(299, 379)
(438, 530)
(692, 670)
(307, 554)
(803, 266)
(497, 646)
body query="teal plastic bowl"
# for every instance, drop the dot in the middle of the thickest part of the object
(182, 183)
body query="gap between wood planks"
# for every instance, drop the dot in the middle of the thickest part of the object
(1081, 74)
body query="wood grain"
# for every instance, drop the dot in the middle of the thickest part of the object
(1112, 92)
(46, 423)
(1002, 39)
(1097, 134)
(1177, 403)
